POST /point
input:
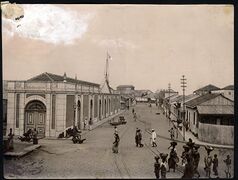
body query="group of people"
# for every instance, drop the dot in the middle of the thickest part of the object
(86, 123)
(30, 135)
(190, 161)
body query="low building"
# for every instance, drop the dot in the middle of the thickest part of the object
(51, 103)
(211, 118)
(227, 91)
(206, 89)
(143, 95)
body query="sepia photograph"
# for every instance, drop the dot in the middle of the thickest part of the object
(115, 91)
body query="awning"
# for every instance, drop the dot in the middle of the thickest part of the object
(216, 109)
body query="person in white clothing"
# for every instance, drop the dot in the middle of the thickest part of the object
(153, 138)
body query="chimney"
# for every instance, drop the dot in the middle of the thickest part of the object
(65, 77)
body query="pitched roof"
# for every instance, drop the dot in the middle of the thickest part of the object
(230, 87)
(196, 101)
(57, 78)
(208, 88)
(125, 86)
(216, 109)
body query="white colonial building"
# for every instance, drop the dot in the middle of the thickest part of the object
(51, 103)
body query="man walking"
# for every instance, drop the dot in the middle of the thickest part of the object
(215, 165)
(228, 166)
(153, 138)
(157, 167)
(116, 143)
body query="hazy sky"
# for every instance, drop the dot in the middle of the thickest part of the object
(150, 45)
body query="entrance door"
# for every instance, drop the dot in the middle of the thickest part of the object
(35, 117)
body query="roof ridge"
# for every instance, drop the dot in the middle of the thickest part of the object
(52, 80)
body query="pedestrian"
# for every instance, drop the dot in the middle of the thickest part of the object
(157, 167)
(153, 138)
(116, 143)
(190, 143)
(90, 124)
(173, 159)
(137, 137)
(115, 129)
(184, 153)
(10, 140)
(135, 116)
(208, 161)
(188, 169)
(85, 123)
(196, 157)
(228, 166)
(215, 165)
(133, 111)
(171, 131)
(34, 135)
(163, 168)
(140, 138)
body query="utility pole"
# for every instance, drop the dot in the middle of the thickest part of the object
(169, 88)
(183, 85)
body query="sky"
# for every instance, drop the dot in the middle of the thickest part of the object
(150, 45)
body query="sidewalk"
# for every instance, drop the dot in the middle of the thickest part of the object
(22, 152)
(188, 135)
(95, 125)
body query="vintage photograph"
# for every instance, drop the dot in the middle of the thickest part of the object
(99, 91)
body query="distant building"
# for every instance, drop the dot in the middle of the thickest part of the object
(144, 95)
(227, 91)
(211, 118)
(51, 103)
(127, 97)
(206, 89)
(125, 89)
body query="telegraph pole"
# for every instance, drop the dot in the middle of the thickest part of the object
(169, 88)
(183, 85)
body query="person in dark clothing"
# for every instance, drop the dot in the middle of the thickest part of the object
(188, 169)
(34, 134)
(140, 138)
(116, 143)
(163, 168)
(137, 137)
(157, 167)
(196, 157)
(173, 158)
(76, 133)
(215, 165)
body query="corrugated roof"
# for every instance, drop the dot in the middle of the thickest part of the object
(230, 87)
(216, 109)
(194, 102)
(54, 77)
(208, 88)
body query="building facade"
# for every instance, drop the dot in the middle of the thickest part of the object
(51, 103)
(227, 91)
(211, 118)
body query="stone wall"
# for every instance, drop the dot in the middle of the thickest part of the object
(217, 134)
